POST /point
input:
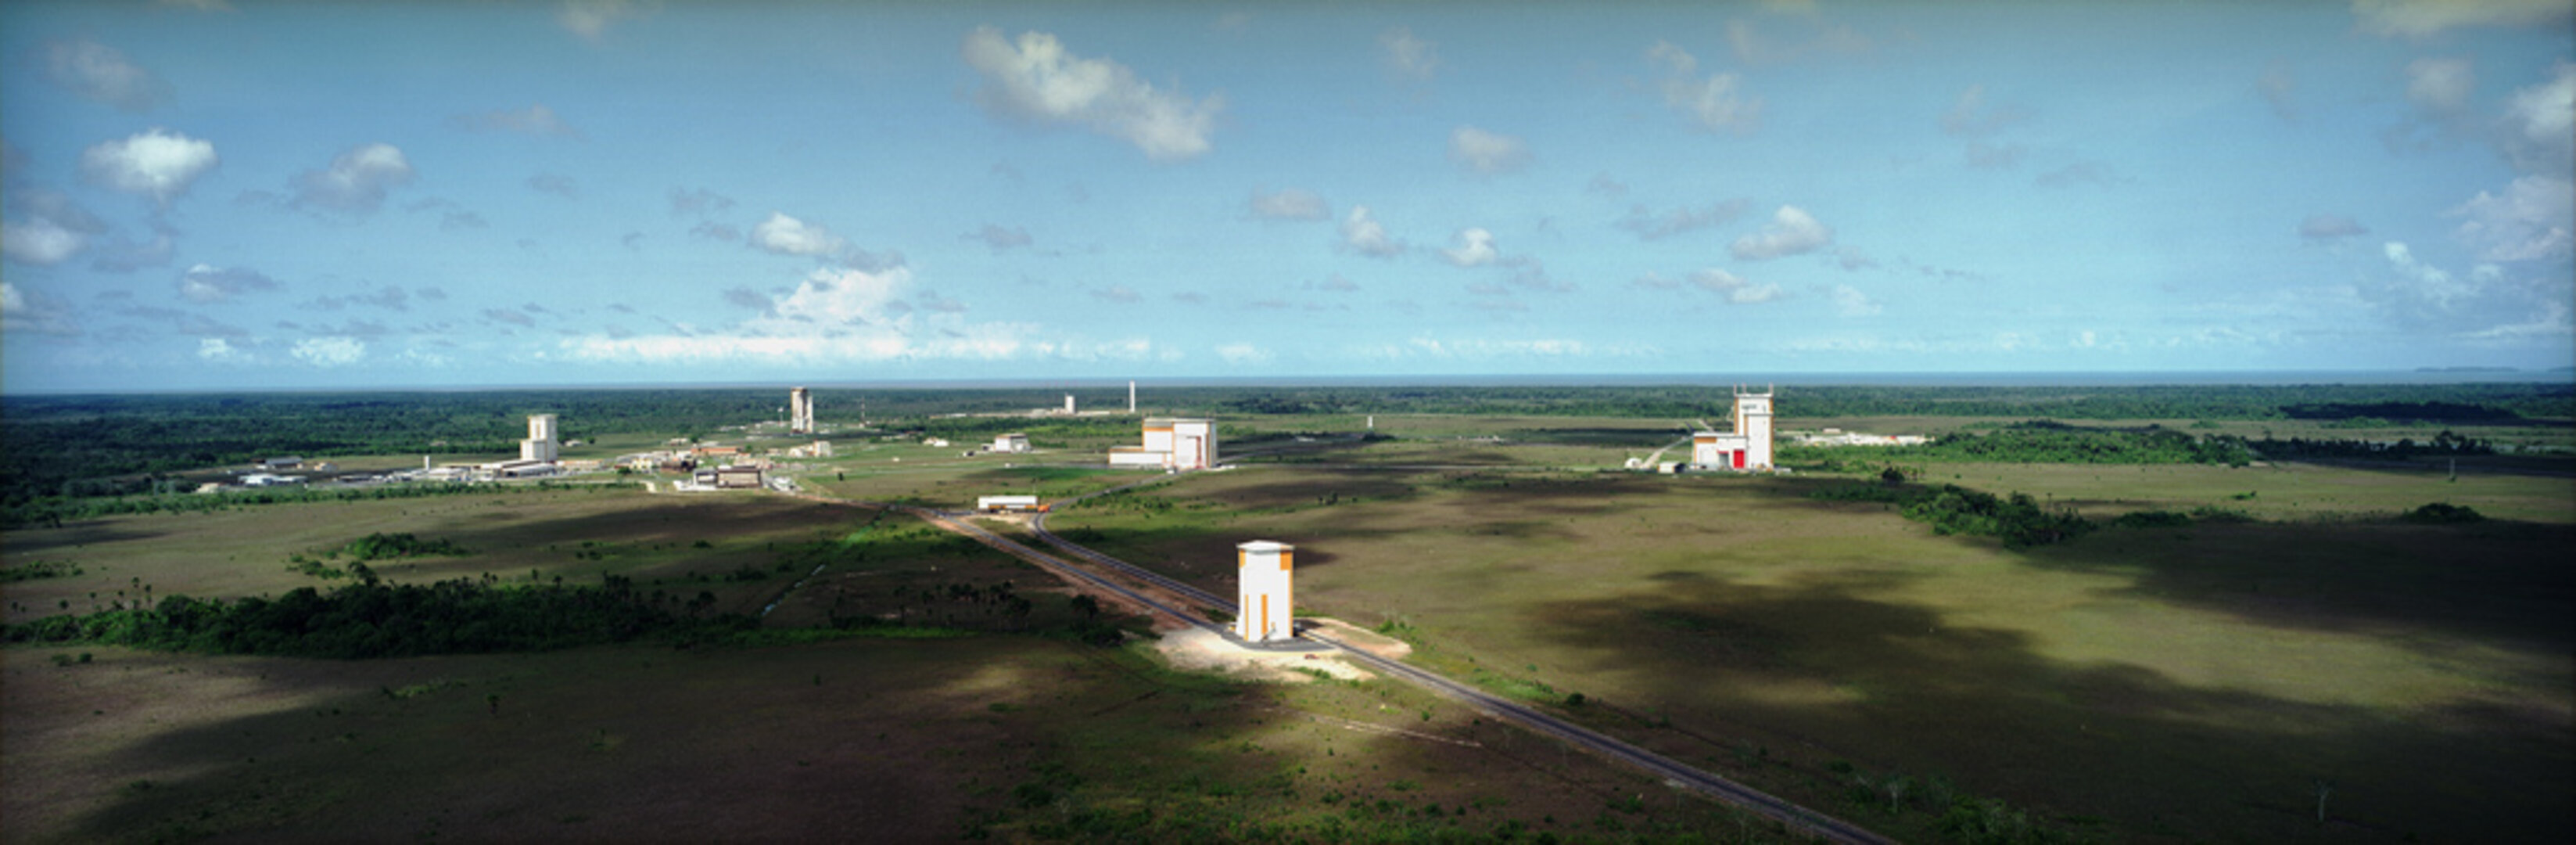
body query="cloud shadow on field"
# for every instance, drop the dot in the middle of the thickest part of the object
(1888, 685)
(2496, 581)
(33, 541)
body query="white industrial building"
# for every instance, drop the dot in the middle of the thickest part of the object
(997, 504)
(800, 411)
(1170, 443)
(1011, 443)
(1265, 598)
(540, 445)
(1748, 448)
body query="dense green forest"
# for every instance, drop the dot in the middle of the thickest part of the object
(103, 445)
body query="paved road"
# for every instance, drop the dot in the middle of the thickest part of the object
(1672, 771)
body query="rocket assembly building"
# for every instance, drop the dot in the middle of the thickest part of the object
(1748, 448)
(800, 411)
(1171, 444)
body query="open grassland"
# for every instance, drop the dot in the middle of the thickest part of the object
(982, 732)
(1003, 737)
(2276, 491)
(579, 535)
(2184, 683)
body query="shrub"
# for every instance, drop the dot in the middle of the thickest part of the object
(2443, 513)
(2152, 519)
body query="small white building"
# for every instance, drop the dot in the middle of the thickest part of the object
(999, 504)
(1265, 608)
(1011, 443)
(1171, 443)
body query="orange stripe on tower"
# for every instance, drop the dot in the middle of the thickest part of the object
(1284, 557)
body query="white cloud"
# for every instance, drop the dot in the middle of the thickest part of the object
(555, 183)
(2531, 221)
(221, 351)
(2080, 173)
(40, 242)
(1652, 226)
(1033, 78)
(1362, 234)
(1970, 117)
(2422, 282)
(1121, 294)
(848, 315)
(998, 238)
(2440, 87)
(590, 18)
(2280, 88)
(698, 201)
(1410, 57)
(2327, 228)
(2421, 18)
(1243, 353)
(789, 236)
(25, 312)
(1487, 152)
(536, 120)
(356, 182)
(1713, 104)
(99, 72)
(1791, 232)
(2540, 124)
(335, 351)
(1289, 204)
(208, 283)
(1851, 302)
(1753, 48)
(1734, 288)
(1475, 249)
(158, 163)
(1478, 348)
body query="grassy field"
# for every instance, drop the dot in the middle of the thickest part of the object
(982, 733)
(2143, 683)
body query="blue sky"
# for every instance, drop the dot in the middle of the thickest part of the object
(207, 195)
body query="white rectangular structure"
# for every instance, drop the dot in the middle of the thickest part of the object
(1748, 448)
(540, 445)
(991, 504)
(1011, 443)
(800, 411)
(1265, 599)
(1171, 443)
(1193, 444)
(1753, 422)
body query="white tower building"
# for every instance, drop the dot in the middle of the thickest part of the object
(800, 411)
(1753, 423)
(540, 445)
(1264, 602)
(1131, 397)
(1068, 404)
